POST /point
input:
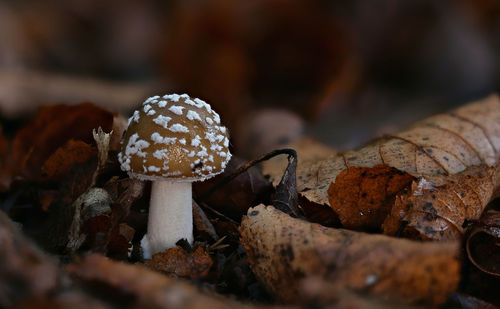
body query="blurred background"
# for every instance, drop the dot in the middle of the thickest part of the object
(343, 72)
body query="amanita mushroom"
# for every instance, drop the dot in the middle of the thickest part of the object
(173, 140)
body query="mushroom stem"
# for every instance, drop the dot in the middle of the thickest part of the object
(170, 216)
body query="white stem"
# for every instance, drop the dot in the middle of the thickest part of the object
(170, 215)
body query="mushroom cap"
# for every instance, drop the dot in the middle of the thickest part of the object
(174, 137)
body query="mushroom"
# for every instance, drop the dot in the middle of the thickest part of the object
(173, 140)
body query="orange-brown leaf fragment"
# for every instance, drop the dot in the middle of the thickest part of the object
(439, 211)
(283, 250)
(178, 262)
(59, 162)
(363, 196)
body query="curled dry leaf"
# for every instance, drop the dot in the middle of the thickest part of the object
(177, 261)
(438, 208)
(441, 145)
(283, 250)
(482, 244)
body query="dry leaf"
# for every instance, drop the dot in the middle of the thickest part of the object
(315, 292)
(140, 287)
(440, 145)
(283, 250)
(202, 224)
(59, 162)
(52, 127)
(431, 209)
(179, 262)
(234, 199)
(363, 197)
(25, 271)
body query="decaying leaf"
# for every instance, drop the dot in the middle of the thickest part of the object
(52, 127)
(362, 196)
(93, 203)
(177, 261)
(140, 287)
(315, 292)
(440, 145)
(283, 250)
(482, 243)
(59, 162)
(25, 271)
(234, 198)
(202, 224)
(438, 208)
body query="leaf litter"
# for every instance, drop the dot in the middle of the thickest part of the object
(106, 214)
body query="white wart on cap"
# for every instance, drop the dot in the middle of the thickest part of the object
(174, 137)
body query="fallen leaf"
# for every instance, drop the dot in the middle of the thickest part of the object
(68, 299)
(60, 161)
(140, 287)
(202, 224)
(52, 127)
(283, 250)
(317, 293)
(440, 145)
(234, 198)
(438, 208)
(362, 197)
(25, 271)
(177, 261)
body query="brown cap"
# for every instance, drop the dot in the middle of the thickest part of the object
(176, 137)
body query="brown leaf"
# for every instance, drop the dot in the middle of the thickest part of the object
(318, 293)
(282, 250)
(201, 223)
(140, 287)
(120, 242)
(25, 271)
(363, 196)
(482, 243)
(440, 145)
(438, 208)
(71, 299)
(176, 261)
(234, 198)
(52, 127)
(60, 161)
